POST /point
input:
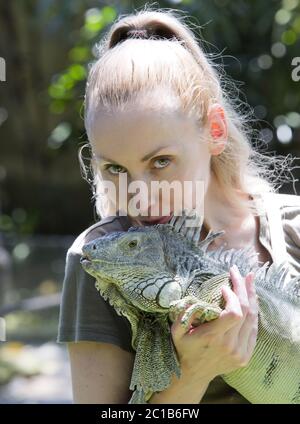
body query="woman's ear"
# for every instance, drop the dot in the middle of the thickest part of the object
(217, 129)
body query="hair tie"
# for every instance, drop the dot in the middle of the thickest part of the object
(138, 33)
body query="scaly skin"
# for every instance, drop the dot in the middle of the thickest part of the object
(151, 274)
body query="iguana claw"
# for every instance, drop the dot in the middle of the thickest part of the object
(201, 310)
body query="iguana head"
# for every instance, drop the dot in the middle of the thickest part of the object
(120, 254)
(134, 262)
(150, 267)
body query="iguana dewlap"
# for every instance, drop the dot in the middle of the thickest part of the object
(150, 274)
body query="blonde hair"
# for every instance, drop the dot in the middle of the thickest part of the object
(172, 57)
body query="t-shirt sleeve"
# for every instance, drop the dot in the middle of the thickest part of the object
(84, 314)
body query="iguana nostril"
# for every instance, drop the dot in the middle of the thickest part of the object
(94, 247)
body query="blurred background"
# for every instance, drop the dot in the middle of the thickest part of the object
(44, 200)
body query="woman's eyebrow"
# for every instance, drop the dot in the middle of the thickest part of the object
(149, 155)
(146, 157)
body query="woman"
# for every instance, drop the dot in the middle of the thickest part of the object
(155, 111)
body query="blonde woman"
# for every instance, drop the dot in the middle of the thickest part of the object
(155, 110)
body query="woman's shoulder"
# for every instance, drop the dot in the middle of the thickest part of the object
(288, 208)
(104, 226)
(288, 200)
(283, 200)
(287, 205)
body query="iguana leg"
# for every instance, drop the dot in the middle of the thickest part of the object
(203, 311)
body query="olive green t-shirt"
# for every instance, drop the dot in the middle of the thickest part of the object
(86, 316)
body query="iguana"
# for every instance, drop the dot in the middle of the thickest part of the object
(151, 274)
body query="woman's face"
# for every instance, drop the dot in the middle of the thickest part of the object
(148, 144)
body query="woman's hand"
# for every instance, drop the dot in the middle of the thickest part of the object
(225, 344)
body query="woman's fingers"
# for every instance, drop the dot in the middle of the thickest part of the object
(227, 319)
(248, 330)
(236, 306)
(237, 323)
(249, 322)
(224, 330)
(177, 329)
(239, 288)
(227, 342)
(232, 313)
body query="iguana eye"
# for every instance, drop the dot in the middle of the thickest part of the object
(132, 243)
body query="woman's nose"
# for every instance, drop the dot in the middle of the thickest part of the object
(142, 198)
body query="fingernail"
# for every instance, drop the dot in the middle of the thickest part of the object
(224, 288)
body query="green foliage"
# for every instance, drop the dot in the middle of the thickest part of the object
(19, 222)
(68, 84)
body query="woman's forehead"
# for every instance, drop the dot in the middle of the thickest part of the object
(134, 133)
(140, 121)
(161, 101)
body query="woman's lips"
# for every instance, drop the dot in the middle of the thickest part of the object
(154, 221)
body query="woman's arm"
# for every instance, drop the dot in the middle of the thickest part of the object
(188, 389)
(101, 372)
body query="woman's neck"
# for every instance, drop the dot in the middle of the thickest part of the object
(222, 213)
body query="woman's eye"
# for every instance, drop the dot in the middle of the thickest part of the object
(115, 169)
(162, 162)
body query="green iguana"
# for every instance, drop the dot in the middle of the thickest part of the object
(151, 274)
